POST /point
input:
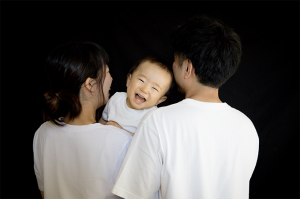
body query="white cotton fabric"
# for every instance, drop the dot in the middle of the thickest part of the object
(117, 110)
(191, 149)
(78, 161)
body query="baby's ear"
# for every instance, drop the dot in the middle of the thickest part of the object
(128, 80)
(162, 99)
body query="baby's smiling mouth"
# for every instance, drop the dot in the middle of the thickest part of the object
(139, 98)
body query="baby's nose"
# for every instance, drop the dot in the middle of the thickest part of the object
(144, 89)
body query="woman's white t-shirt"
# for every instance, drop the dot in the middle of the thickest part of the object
(117, 110)
(78, 161)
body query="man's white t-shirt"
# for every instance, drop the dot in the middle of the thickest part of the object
(191, 149)
(78, 161)
(117, 110)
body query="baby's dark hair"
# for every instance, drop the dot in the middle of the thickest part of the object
(213, 48)
(159, 62)
(67, 68)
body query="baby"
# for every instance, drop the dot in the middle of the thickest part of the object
(148, 83)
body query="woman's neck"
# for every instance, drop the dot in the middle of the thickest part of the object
(87, 116)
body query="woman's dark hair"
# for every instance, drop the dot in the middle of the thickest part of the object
(213, 48)
(159, 62)
(67, 68)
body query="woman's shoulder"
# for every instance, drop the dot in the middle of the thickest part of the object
(43, 131)
(110, 136)
(111, 128)
(95, 131)
(91, 128)
(45, 125)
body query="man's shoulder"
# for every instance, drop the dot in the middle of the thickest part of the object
(166, 109)
(163, 112)
(239, 115)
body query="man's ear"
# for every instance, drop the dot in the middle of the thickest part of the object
(162, 99)
(128, 80)
(88, 84)
(188, 69)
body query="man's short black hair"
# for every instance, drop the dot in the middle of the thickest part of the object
(213, 48)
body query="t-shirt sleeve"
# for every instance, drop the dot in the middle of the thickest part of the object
(38, 162)
(105, 112)
(139, 175)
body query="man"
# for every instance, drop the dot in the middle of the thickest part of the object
(199, 147)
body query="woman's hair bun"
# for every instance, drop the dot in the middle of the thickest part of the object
(60, 104)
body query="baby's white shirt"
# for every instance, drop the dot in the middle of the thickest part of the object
(117, 110)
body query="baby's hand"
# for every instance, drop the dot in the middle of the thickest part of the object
(116, 125)
(113, 124)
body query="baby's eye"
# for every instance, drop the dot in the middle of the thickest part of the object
(155, 89)
(141, 80)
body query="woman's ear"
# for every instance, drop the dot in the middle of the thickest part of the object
(162, 99)
(128, 80)
(88, 84)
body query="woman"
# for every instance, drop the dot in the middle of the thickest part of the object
(75, 157)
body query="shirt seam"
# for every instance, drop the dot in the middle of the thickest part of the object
(160, 144)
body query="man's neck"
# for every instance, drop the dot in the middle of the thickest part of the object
(203, 93)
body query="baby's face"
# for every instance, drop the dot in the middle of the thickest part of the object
(147, 85)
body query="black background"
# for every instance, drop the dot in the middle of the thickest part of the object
(265, 87)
